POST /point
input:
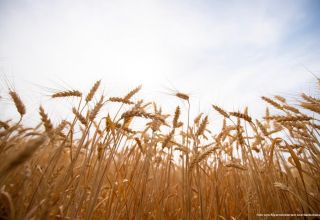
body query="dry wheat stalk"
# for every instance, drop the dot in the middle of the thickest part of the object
(236, 165)
(262, 128)
(221, 111)
(121, 100)
(45, 120)
(28, 149)
(271, 102)
(311, 106)
(167, 139)
(182, 96)
(202, 126)
(93, 90)
(176, 117)
(310, 99)
(273, 145)
(18, 103)
(293, 118)
(292, 109)
(139, 144)
(202, 156)
(79, 116)
(67, 93)
(280, 98)
(96, 109)
(140, 113)
(132, 93)
(241, 115)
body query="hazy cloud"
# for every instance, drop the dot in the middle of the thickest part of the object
(229, 52)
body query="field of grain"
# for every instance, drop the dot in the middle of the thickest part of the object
(172, 166)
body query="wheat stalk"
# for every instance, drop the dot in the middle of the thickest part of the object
(68, 93)
(18, 103)
(93, 90)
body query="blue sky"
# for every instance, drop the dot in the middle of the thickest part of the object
(223, 52)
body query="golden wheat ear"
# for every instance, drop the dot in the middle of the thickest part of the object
(93, 91)
(82, 119)
(67, 93)
(182, 96)
(176, 117)
(132, 93)
(221, 111)
(45, 120)
(18, 103)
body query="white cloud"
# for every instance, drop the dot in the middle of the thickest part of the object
(226, 52)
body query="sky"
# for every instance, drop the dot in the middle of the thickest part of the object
(227, 53)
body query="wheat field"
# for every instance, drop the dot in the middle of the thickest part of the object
(173, 165)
